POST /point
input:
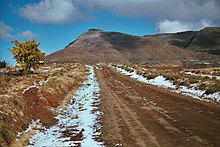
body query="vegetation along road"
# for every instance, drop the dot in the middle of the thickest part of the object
(102, 107)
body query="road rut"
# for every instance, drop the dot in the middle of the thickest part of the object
(138, 114)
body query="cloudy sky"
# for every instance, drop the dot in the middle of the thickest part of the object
(55, 23)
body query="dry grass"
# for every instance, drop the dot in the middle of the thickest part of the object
(7, 134)
(150, 75)
(178, 76)
(213, 88)
(12, 105)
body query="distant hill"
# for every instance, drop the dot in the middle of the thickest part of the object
(96, 46)
(205, 40)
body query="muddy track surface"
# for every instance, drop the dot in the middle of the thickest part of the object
(138, 114)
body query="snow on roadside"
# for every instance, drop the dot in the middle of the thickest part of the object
(195, 93)
(215, 96)
(77, 122)
(34, 125)
(203, 75)
(37, 85)
(161, 81)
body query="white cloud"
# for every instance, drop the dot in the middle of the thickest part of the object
(5, 31)
(64, 11)
(168, 26)
(27, 34)
(184, 10)
(204, 23)
(52, 11)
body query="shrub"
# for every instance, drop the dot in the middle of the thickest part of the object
(177, 82)
(192, 80)
(27, 54)
(127, 68)
(140, 73)
(3, 64)
(169, 77)
(149, 75)
(197, 72)
(213, 88)
(184, 82)
(202, 86)
(206, 78)
(214, 78)
(217, 73)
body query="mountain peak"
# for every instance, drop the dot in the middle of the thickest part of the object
(95, 30)
(96, 46)
(90, 36)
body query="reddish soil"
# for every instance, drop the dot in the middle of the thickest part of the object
(37, 107)
(138, 114)
(38, 103)
(25, 98)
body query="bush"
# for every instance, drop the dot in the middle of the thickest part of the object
(216, 73)
(169, 77)
(192, 80)
(150, 76)
(3, 64)
(214, 78)
(140, 72)
(184, 82)
(213, 88)
(202, 86)
(177, 82)
(206, 78)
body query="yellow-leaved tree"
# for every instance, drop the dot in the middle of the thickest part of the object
(27, 54)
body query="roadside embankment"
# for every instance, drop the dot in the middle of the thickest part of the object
(31, 97)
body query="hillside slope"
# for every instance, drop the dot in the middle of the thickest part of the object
(96, 46)
(205, 40)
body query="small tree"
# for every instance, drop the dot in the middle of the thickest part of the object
(27, 54)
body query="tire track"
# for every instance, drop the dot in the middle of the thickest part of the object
(149, 116)
(141, 135)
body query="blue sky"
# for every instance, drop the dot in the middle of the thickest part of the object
(55, 23)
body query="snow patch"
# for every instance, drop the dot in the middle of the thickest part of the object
(78, 122)
(37, 85)
(214, 96)
(161, 81)
(196, 93)
(34, 125)
(203, 75)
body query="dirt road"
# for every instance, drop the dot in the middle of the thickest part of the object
(138, 114)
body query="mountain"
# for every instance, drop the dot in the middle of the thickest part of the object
(205, 40)
(96, 46)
